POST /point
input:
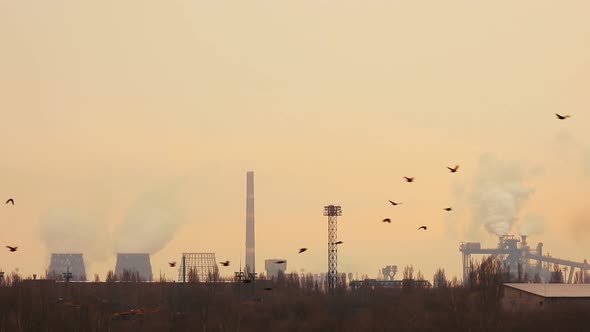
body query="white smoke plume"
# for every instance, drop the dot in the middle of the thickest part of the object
(67, 230)
(150, 223)
(498, 195)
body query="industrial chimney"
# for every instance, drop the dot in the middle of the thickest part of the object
(129, 265)
(250, 247)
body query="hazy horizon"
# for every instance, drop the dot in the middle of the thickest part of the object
(131, 126)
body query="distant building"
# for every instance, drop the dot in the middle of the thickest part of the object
(272, 267)
(519, 297)
(390, 283)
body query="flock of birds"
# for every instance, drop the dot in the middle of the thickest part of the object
(411, 179)
(452, 170)
(302, 250)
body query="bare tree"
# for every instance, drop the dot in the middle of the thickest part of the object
(111, 277)
(440, 279)
(408, 272)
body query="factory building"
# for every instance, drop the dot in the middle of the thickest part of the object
(533, 297)
(272, 267)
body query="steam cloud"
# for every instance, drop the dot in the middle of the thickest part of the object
(150, 223)
(147, 227)
(67, 230)
(498, 195)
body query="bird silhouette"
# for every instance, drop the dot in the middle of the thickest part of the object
(562, 117)
(268, 288)
(394, 203)
(339, 242)
(172, 264)
(226, 263)
(409, 179)
(10, 200)
(280, 262)
(247, 281)
(422, 227)
(453, 170)
(12, 249)
(387, 220)
(448, 209)
(302, 250)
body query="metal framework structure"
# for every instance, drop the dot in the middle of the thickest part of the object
(518, 257)
(201, 266)
(332, 212)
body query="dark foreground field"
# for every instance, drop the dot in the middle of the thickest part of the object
(42, 305)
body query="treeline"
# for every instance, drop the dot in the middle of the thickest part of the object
(290, 302)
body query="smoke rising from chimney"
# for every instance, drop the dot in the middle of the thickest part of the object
(498, 195)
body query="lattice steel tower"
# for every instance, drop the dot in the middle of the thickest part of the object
(332, 212)
(198, 267)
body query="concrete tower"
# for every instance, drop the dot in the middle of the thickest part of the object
(62, 263)
(250, 247)
(131, 264)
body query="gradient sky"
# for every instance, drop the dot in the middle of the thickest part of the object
(113, 107)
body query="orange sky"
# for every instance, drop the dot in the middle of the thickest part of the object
(107, 107)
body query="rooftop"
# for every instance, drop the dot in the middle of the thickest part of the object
(554, 290)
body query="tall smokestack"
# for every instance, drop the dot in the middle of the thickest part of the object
(250, 247)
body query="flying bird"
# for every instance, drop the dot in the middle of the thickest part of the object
(172, 264)
(226, 263)
(562, 117)
(422, 227)
(247, 281)
(453, 170)
(12, 249)
(339, 242)
(387, 220)
(302, 250)
(394, 203)
(409, 179)
(280, 262)
(448, 209)
(268, 288)
(10, 200)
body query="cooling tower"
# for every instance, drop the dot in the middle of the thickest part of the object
(62, 263)
(250, 247)
(128, 264)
